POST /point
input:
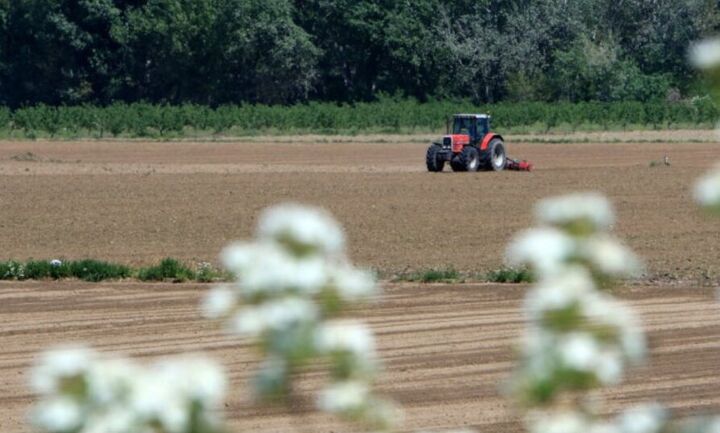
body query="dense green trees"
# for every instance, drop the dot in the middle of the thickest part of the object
(284, 51)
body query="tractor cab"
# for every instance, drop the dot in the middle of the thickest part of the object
(475, 126)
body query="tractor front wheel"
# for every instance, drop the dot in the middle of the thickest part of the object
(469, 158)
(433, 160)
(456, 164)
(495, 158)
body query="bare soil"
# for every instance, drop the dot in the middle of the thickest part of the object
(136, 202)
(447, 349)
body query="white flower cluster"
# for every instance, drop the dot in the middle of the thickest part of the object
(707, 190)
(84, 392)
(641, 419)
(579, 337)
(705, 54)
(573, 232)
(292, 283)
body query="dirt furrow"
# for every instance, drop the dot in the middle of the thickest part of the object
(447, 349)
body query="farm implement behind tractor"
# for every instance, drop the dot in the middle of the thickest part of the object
(471, 146)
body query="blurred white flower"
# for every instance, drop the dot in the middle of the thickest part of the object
(156, 400)
(707, 189)
(353, 284)
(609, 367)
(116, 419)
(309, 276)
(288, 283)
(383, 415)
(557, 422)
(302, 225)
(537, 345)
(603, 427)
(111, 380)
(104, 395)
(268, 269)
(196, 378)
(55, 263)
(648, 418)
(249, 322)
(57, 364)
(559, 291)
(705, 54)
(259, 267)
(572, 208)
(344, 397)
(604, 312)
(609, 256)
(545, 250)
(218, 302)
(573, 326)
(583, 352)
(59, 414)
(579, 351)
(289, 311)
(713, 425)
(274, 315)
(274, 368)
(239, 256)
(345, 336)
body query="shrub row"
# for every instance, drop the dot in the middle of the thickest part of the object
(451, 275)
(97, 270)
(170, 269)
(145, 120)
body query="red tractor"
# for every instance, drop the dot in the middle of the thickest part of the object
(470, 146)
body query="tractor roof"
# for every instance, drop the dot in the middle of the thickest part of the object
(476, 116)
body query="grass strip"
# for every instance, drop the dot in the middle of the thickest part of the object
(168, 269)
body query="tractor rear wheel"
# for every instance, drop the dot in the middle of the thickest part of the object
(470, 158)
(495, 157)
(432, 159)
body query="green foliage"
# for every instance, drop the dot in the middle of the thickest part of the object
(444, 275)
(206, 273)
(97, 270)
(168, 269)
(439, 275)
(87, 270)
(72, 52)
(36, 270)
(387, 115)
(12, 270)
(510, 275)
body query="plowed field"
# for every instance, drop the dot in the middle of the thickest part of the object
(136, 202)
(447, 349)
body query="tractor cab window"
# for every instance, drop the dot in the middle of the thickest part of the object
(483, 126)
(462, 125)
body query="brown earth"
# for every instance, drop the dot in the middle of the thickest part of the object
(447, 349)
(136, 202)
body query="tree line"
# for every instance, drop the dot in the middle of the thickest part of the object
(215, 52)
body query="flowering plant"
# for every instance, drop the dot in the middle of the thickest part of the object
(293, 283)
(705, 55)
(84, 392)
(579, 337)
